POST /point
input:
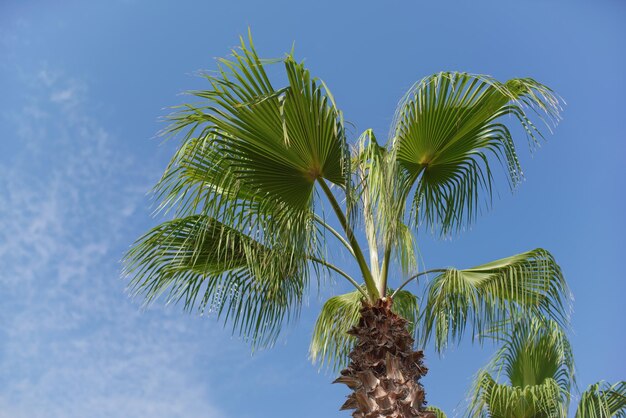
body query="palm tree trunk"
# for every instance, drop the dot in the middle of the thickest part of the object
(384, 370)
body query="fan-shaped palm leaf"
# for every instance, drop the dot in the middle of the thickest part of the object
(249, 160)
(602, 400)
(537, 361)
(483, 297)
(252, 153)
(445, 131)
(505, 401)
(537, 350)
(215, 268)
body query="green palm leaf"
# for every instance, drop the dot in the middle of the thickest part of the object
(602, 400)
(505, 401)
(251, 154)
(496, 293)
(537, 361)
(217, 269)
(438, 412)
(242, 187)
(331, 343)
(447, 128)
(383, 208)
(536, 351)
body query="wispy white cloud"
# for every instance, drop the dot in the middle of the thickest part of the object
(71, 343)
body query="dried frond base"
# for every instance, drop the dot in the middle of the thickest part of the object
(384, 371)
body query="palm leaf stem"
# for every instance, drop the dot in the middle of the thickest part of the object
(335, 233)
(415, 276)
(370, 233)
(341, 272)
(385, 270)
(358, 253)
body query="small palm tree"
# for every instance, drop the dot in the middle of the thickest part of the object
(536, 359)
(264, 176)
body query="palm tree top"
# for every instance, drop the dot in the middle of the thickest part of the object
(264, 176)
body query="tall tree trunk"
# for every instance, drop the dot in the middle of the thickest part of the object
(384, 370)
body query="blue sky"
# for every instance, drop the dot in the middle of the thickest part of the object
(83, 86)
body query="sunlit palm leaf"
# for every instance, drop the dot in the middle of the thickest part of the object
(535, 356)
(535, 351)
(601, 400)
(331, 344)
(486, 296)
(438, 412)
(446, 131)
(383, 208)
(505, 401)
(251, 153)
(217, 269)
(242, 186)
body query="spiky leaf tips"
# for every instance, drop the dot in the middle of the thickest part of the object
(207, 264)
(603, 400)
(536, 359)
(248, 163)
(445, 131)
(493, 294)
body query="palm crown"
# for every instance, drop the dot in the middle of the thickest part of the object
(537, 362)
(264, 176)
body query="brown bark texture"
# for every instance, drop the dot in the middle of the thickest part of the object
(384, 370)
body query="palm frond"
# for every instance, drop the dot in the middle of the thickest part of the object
(438, 412)
(537, 350)
(378, 190)
(496, 400)
(534, 356)
(242, 188)
(251, 153)
(214, 268)
(486, 296)
(446, 130)
(331, 343)
(602, 400)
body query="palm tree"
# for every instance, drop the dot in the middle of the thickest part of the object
(536, 359)
(264, 176)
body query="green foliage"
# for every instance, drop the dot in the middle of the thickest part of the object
(491, 295)
(251, 153)
(272, 143)
(438, 412)
(535, 401)
(248, 162)
(602, 400)
(208, 265)
(446, 129)
(257, 164)
(378, 187)
(537, 361)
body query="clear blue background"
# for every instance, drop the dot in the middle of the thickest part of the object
(82, 85)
